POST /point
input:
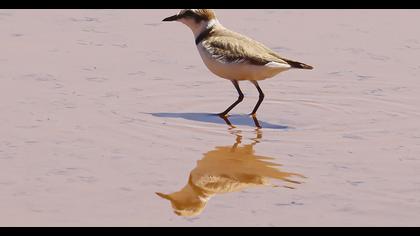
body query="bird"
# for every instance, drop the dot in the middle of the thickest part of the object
(228, 169)
(231, 55)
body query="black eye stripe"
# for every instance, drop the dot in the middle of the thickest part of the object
(189, 13)
(192, 14)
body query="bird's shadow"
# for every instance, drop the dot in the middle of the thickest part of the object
(242, 120)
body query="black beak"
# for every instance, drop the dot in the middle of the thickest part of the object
(171, 18)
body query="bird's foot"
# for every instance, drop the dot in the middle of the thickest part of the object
(256, 122)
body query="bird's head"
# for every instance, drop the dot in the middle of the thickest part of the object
(185, 204)
(197, 20)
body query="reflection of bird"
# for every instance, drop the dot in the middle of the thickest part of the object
(223, 170)
(231, 55)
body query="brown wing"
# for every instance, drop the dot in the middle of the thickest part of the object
(230, 47)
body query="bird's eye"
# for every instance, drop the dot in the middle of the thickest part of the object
(189, 13)
(192, 14)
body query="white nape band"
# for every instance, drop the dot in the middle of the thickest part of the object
(212, 23)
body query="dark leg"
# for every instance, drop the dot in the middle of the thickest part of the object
(256, 122)
(227, 122)
(240, 99)
(260, 100)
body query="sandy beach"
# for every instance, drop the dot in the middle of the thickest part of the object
(101, 109)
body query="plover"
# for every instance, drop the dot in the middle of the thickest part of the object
(231, 55)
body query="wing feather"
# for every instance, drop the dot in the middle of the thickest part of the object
(230, 47)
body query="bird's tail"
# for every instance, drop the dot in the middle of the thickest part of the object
(298, 65)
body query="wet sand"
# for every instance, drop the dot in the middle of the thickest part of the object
(100, 109)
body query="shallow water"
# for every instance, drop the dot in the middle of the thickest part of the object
(103, 108)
